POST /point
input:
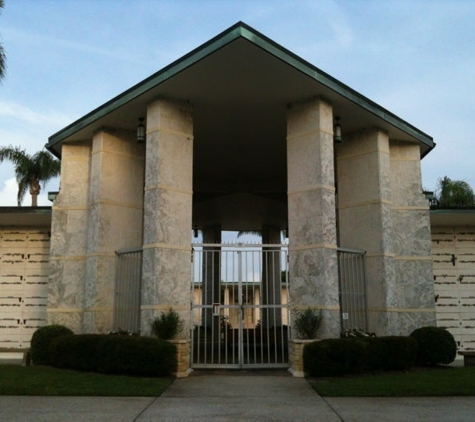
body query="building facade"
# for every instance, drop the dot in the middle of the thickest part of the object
(240, 136)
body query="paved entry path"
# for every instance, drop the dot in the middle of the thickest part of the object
(236, 396)
(269, 397)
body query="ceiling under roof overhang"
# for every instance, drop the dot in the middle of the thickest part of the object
(241, 80)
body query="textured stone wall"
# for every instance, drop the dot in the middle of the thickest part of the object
(115, 218)
(382, 210)
(168, 211)
(411, 301)
(69, 237)
(364, 204)
(311, 201)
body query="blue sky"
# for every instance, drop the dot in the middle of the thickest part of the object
(66, 57)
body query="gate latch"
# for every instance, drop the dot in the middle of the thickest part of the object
(215, 309)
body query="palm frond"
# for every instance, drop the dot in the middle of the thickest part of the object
(30, 170)
(454, 193)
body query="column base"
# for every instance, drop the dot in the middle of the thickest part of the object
(296, 357)
(183, 355)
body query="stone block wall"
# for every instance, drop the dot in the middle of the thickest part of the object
(98, 210)
(67, 279)
(411, 302)
(311, 207)
(168, 212)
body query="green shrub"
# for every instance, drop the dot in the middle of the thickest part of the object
(390, 353)
(167, 325)
(307, 322)
(41, 340)
(332, 357)
(435, 346)
(128, 355)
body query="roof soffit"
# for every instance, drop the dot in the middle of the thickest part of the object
(201, 75)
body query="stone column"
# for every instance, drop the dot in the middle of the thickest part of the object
(211, 288)
(411, 302)
(68, 239)
(115, 219)
(271, 277)
(364, 197)
(168, 211)
(312, 224)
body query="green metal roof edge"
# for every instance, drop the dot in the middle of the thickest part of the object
(41, 209)
(149, 83)
(236, 31)
(334, 84)
(459, 210)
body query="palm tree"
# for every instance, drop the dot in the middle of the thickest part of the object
(2, 53)
(454, 194)
(30, 170)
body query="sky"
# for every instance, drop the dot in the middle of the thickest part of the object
(415, 58)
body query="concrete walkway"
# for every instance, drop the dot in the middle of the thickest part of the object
(232, 396)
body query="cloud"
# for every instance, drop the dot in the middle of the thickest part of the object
(27, 115)
(9, 192)
(39, 40)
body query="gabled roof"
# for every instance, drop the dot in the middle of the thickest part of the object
(247, 71)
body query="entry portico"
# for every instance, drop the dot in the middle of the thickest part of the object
(239, 136)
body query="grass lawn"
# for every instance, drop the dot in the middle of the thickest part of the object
(47, 381)
(419, 382)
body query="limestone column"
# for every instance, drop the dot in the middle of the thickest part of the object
(115, 218)
(411, 302)
(211, 277)
(168, 211)
(364, 203)
(67, 279)
(271, 277)
(311, 202)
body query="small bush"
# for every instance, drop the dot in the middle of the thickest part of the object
(41, 340)
(128, 355)
(391, 353)
(167, 325)
(307, 322)
(331, 357)
(435, 346)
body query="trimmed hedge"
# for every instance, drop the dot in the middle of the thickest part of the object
(333, 357)
(128, 355)
(390, 353)
(41, 339)
(436, 346)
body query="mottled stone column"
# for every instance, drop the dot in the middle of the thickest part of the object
(115, 219)
(364, 204)
(411, 302)
(167, 217)
(68, 239)
(271, 277)
(311, 200)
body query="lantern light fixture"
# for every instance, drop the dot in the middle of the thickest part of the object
(337, 131)
(141, 131)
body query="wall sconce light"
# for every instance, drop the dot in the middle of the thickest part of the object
(141, 131)
(337, 131)
(195, 231)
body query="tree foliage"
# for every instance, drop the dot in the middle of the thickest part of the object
(2, 52)
(454, 194)
(30, 170)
